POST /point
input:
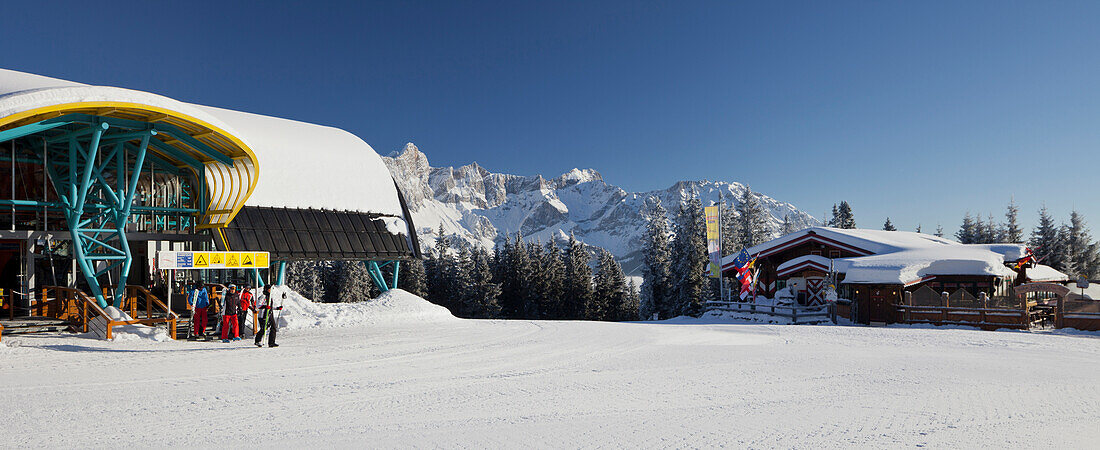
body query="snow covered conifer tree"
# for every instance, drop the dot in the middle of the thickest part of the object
(303, 278)
(689, 259)
(480, 295)
(1082, 256)
(578, 280)
(1011, 231)
(1047, 241)
(331, 272)
(968, 232)
(438, 268)
(753, 220)
(834, 221)
(731, 231)
(787, 227)
(628, 310)
(888, 226)
(553, 274)
(413, 278)
(846, 219)
(610, 292)
(657, 287)
(355, 282)
(989, 232)
(918, 228)
(939, 230)
(517, 299)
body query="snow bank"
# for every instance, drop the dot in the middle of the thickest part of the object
(129, 332)
(393, 307)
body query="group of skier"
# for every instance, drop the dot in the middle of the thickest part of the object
(234, 305)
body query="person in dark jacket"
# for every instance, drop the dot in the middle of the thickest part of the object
(267, 307)
(199, 299)
(229, 315)
(246, 304)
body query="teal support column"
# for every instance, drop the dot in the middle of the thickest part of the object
(376, 274)
(97, 212)
(281, 279)
(396, 269)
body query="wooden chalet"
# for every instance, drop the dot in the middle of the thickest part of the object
(873, 268)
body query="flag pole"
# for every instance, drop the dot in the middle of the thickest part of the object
(721, 276)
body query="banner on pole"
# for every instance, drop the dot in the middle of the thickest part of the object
(713, 240)
(182, 260)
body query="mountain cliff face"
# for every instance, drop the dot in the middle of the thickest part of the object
(483, 208)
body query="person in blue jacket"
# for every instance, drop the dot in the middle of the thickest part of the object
(199, 299)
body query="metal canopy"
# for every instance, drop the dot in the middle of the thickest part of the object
(313, 234)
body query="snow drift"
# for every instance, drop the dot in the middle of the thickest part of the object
(393, 307)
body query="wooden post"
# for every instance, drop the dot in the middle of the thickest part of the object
(984, 298)
(84, 316)
(1026, 318)
(908, 302)
(1060, 312)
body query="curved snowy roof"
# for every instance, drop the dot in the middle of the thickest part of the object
(277, 162)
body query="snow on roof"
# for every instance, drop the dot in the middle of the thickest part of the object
(300, 164)
(897, 257)
(819, 260)
(1042, 272)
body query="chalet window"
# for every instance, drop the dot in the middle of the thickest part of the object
(834, 253)
(815, 252)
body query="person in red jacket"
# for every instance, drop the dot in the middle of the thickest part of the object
(246, 304)
(229, 315)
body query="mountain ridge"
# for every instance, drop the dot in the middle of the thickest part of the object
(482, 207)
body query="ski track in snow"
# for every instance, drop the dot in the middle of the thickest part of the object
(492, 383)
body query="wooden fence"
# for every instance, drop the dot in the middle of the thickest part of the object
(796, 314)
(1029, 305)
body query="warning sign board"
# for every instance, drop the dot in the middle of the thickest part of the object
(182, 260)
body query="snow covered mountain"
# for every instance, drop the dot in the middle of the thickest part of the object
(484, 208)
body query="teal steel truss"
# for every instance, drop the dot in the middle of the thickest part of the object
(379, 278)
(94, 165)
(81, 179)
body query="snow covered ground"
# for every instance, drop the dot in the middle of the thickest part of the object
(399, 374)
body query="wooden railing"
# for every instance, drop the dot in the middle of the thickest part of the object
(796, 314)
(82, 310)
(147, 309)
(74, 306)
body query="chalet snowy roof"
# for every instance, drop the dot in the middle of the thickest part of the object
(898, 257)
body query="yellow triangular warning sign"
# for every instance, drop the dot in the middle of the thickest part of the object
(202, 260)
(231, 260)
(246, 260)
(216, 258)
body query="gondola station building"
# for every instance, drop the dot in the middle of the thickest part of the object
(96, 180)
(873, 269)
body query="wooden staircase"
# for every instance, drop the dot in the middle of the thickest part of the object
(61, 308)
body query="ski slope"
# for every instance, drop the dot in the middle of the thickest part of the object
(417, 379)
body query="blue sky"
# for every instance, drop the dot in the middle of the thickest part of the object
(919, 111)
